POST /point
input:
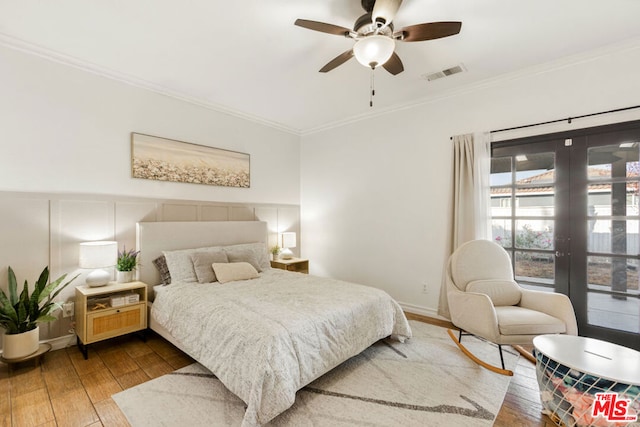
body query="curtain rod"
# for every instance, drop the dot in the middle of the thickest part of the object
(568, 119)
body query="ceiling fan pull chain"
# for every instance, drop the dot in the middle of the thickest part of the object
(372, 87)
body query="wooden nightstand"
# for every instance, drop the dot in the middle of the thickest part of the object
(294, 264)
(109, 311)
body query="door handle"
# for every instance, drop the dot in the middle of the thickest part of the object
(559, 254)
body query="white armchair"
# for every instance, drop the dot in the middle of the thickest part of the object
(485, 300)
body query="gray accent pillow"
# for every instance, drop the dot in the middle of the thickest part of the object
(202, 264)
(259, 249)
(244, 255)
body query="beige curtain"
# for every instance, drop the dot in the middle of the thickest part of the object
(471, 198)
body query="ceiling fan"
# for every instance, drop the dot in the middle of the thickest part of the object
(375, 36)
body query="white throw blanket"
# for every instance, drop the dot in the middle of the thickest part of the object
(268, 337)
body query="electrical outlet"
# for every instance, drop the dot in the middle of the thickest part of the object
(68, 309)
(425, 288)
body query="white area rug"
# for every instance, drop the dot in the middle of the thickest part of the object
(426, 381)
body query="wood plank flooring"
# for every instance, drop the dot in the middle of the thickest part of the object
(66, 390)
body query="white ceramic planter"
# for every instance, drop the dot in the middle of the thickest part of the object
(125, 276)
(16, 346)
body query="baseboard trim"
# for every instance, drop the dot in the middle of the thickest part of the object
(423, 311)
(64, 341)
(427, 315)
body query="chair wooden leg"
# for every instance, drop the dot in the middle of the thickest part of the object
(478, 361)
(526, 354)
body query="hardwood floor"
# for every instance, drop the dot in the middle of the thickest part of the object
(66, 390)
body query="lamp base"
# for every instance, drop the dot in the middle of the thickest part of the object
(286, 253)
(97, 278)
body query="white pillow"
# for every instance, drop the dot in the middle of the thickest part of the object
(501, 292)
(232, 271)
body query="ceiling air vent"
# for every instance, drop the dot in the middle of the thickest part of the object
(444, 73)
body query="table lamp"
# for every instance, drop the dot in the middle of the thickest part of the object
(287, 240)
(96, 256)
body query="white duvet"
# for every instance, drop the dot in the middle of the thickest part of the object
(268, 337)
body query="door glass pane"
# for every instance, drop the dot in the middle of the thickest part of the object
(501, 232)
(501, 201)
(613, 161)
(534, 234)
(613, 236)
(500, 171)
(537, 201)
(535, 267)
(602, 272)
(600, 201)
(610, 312)
(536, 168)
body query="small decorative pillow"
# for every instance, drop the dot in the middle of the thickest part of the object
(202, 264)
(232, 271)
(244, 255)
(501, 292)
(161, 265)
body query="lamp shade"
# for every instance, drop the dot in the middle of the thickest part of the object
(98, 254)
(373, 51)
(288, 239)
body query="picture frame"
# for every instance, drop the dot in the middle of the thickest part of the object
(163, 159)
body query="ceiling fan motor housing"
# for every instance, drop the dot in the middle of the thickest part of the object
(365, 26)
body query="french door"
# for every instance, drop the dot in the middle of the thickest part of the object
(566, 208)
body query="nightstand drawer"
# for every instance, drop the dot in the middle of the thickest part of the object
(114, 322)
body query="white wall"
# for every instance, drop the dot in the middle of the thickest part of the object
(376, 194)
(66, 130)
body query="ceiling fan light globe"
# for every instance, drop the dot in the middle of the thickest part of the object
(373, 51)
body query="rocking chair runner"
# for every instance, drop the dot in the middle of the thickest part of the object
(484, 300)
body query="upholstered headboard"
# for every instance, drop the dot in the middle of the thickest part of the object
(154, 237)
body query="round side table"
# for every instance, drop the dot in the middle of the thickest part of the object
(574, 372)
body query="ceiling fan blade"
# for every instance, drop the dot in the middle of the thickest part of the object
(337, 61)
(394, 64)
(323, 27)
(384, 11)
(429, 31)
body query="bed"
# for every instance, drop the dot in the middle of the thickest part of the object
(265, 337)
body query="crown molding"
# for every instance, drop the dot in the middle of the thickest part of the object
(51, 55)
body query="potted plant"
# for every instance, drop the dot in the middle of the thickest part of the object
(20, 314)
(126, 265)
(275, 250)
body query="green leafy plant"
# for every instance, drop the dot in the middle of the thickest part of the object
(127, 260)
(275, 250)
(20, 312)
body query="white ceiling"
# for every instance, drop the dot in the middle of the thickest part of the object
(247, 57)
